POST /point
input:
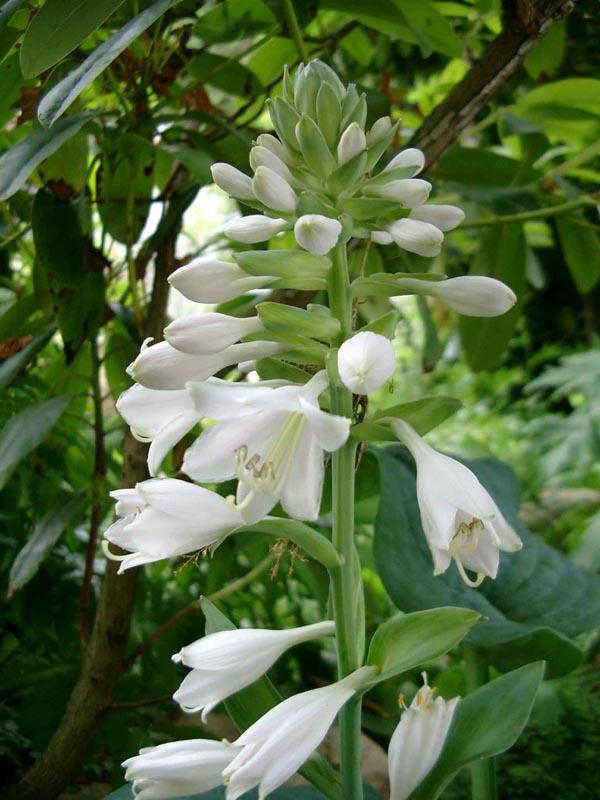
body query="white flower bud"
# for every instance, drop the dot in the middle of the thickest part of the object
(255, 228)
(352, 142)
(208, 280)
(272, 190)
(209, 333)
(471, 295)
(381, 237)
(417, 237)
(316, 233)
(409, 192)
(232, 181)
(443, 217)
(272, 143)
(263, 157)
(408, 158)
(366, 362)
(380, 128)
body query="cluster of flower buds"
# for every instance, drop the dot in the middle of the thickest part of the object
(319, 178)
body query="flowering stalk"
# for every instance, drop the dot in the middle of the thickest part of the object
(483, 772)
(343, 585)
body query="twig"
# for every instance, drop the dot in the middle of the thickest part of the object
(152, 701)
(524, 216)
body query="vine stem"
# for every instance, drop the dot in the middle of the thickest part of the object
(344, 585)
(483, 772)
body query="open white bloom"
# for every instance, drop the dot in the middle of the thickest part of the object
(255, 228)
(271, 438)
(460, 519)
(179, 768)
(366, 362)
(162, 366)
(209, 333)
(471, 295)
(208, 280)
(418, 740)
(422, 238)
(232, 181)
(352, 142)
(411, 159)
(273, 190)
(316, 233)
(279, 743)
(160, 417)
(166, 517)
(409, 192)
(443, 217)
(225, 662)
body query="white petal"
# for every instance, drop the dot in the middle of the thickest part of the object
(380, 128)
(330, 431)
(209, 333)
(381, 237)
(167, 438)
(417, 237)
(301, 495)
(410, 157)
(265, 157)
(207, 280)
(409, 192)
(316, 233)
(148, 410)
(352, 142)
(232, 181)
(273, 190)
(366, 362)
(273, 144)
(255, 228)
(443, 217)
(212, 456)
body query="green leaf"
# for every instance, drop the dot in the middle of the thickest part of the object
(11, 366)
(384, 284)
(538, 600)
(14, 316)
(581, 249)
(223, 73)
(423, 414)
(283, 263)
(60, 97)
(27, 430)
(58, 28)
(46, 533)
(547, 55)
(486, 722)
(471, 166)
(304, 322)
(8, 9)
(233, 20)
(407, 640)
(17, 164)
(502, 254)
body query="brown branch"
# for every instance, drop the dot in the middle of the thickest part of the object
(152, 701)
(524, 25)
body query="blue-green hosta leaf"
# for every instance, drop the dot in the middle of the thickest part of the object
(17, 164)
(47, 531)
(538, 600)
(486, 722)
(58, 28)
(60, 97)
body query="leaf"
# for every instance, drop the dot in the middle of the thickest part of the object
(423, 415)
(47, 531)
(547, 55)
(538, 600)
(58, 28)
(283, 263)
(472, 166)
(581, 249)
(486, 722)
(233, 20)
(501, 255)
(17, 164)
(8, 9)
(60, 97)
(385, 284)
(407, 640)
(26, 430)
(14, 316)
(11, 366)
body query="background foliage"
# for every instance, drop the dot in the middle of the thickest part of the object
(112, 112)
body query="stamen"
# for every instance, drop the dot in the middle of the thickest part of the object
(112, 556)
(474, 584)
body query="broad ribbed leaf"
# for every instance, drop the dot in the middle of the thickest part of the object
(60, 97)
(8, 9)
(58, 28)
(538, 599)
(17, 164)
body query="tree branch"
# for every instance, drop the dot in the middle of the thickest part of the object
(524, 25)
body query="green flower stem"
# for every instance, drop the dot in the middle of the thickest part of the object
(343, 584)
(525, 216)
(296, 34)
(483, 773)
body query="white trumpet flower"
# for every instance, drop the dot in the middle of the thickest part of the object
(208, 280)
(162, 366)
(460, 519)
(316, 233)
(366, 362)
(209, 333)
(271, 438)
(159, 417)
(418, 740)
(255, 227)
(179, 768)
(166, 517)
(232, 181)
(225, 662)
(471, 295)
(279, 743)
